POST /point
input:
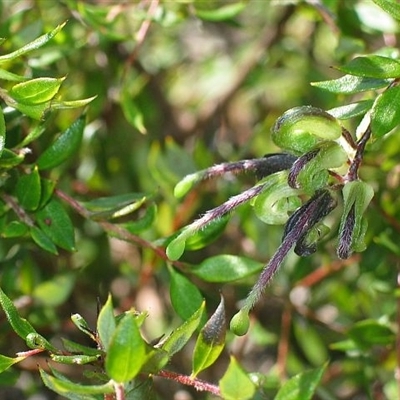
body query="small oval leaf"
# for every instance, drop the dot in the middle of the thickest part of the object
(185, 296)
(126, 353)
(236, 384)
(372, 66)
(385, 114)
(54, 221)
(36, 91)
(106, 323)
(64, 146)
(301, 386)
(20, 325)
(29, 190)
(226, 268)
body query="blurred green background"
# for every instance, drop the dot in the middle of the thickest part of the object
(182, 85)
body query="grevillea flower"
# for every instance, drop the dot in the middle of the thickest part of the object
(296, 230)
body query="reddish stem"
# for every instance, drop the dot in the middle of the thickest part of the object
(198, 384)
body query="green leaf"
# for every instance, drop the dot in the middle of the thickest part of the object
(36, 91)
(71, 104)
(14, 229)
(9, 76)
(35, 111)
(39, 42)
(115, 206)
(29, 190)
(48, 186)
(180, 336)
(211, 341)
(66, 145)
(310, 341)
(236, 384)
(369, 333)
(185, 296)
(176, 248)
(351, 110)
(193, 238)
(392, 7)
(207, 235)
(350, 84)
(65, 387)
(385, 114)
(126, 352)
(56, 291)
(301, 386)
(42, 240)
(83, 326)
(223, 13)
(373, 67)
(79, 359)
(73, 347)
(132, 113)
(20, 325)
(8, 159)
(54, 221)
(36, 341)
(106, 323)
(144, 222)
(226, 268)
(2, 131)
(7, 362)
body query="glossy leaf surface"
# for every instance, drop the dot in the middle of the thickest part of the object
(301, 386)
(385, 115)
(211, 340)
(126, 351)
(54, 221)
(64, 146)
(236, 384)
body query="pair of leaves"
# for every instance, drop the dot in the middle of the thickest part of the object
(124, 346)
(369, 73)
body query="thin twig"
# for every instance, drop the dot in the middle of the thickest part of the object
(352, 175)
(198, 384)
(22, 215)
(141, 34)
(116, 230)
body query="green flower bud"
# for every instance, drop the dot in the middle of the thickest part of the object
(240, 323)
(300, 129)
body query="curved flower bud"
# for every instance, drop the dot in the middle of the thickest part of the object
(177, 246)
(262, 167)
(310, 171)
(272, 163)
(356, 196)
(296, 230)
(300, 129)
(277, 199)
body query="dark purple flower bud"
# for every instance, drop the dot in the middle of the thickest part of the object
(298, 165)
(346, 235)
(296, 229)
(272, 163)
(318, 207)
